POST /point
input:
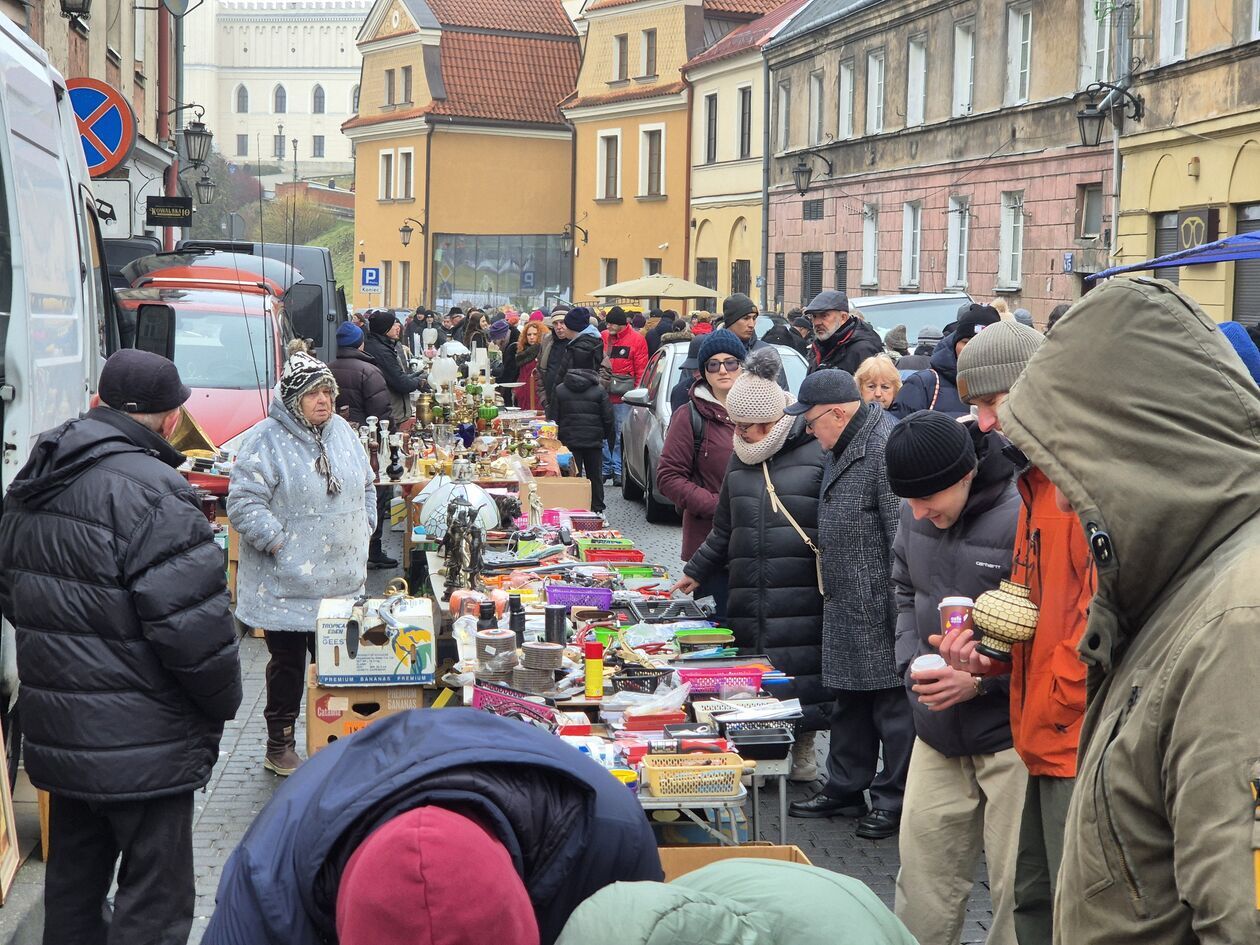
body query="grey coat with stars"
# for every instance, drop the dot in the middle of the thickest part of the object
(276, 494)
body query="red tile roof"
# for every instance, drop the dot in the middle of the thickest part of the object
(523, 16)
(749, 36)
(506, 78)
(626, 95)
(741, 7)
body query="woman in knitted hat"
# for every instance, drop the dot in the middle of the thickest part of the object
(697, 449)
(764, 536)
(301, 498)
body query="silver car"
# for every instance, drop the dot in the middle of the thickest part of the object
(643, 432)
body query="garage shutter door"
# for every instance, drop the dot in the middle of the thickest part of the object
(1247, 272)
(1165, 243)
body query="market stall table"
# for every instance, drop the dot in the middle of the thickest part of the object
(723, 808)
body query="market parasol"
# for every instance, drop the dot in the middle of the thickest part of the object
(659, 286)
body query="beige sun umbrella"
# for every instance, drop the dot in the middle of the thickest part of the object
(659, 286)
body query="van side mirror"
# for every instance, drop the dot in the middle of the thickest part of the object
(304, 303)
(155, 330)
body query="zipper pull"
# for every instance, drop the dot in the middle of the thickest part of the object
(1133, 697)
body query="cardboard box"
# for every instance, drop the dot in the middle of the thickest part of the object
(375, 657)
(563, 492)
(677, 861)
(336, 713)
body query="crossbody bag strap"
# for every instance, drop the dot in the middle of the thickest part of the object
(936, 392)
(777, 506)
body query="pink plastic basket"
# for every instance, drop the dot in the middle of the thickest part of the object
(570, 596)
(707, 681)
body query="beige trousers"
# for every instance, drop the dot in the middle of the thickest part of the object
(954, 809)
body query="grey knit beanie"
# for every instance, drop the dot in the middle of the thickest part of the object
(756, 396)
(990, 362)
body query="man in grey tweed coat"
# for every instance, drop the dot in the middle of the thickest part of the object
(857, 521)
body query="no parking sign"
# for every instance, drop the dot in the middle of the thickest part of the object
(107, 124)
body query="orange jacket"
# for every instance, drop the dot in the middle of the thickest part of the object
(1047, 674)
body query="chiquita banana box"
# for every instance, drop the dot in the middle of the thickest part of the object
(374, 641)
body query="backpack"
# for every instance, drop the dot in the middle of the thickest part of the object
(697, 436)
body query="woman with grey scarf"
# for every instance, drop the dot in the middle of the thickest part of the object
(765, 532)
(301, 497)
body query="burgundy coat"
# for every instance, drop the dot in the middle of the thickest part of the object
(693, 483)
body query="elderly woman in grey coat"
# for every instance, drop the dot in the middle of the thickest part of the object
(302, 499)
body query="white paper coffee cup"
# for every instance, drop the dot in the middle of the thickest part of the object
(928, 662)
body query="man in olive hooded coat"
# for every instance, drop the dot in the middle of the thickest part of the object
(1161, 832)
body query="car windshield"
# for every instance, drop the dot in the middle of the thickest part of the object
(915, 314)
(223, 350)
(795, 366)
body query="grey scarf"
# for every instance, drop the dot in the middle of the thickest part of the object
(751, 454)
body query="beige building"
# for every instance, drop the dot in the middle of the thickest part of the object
(1192, 164)
(727, 83)
(630, 114)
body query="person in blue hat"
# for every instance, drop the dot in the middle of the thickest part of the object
(361, 388)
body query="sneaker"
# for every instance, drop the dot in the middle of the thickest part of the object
(616, 480)
(879, 824)
(381, 560)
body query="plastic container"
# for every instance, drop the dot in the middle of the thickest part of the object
(613, 554)
(570, 596)
(760, 741)
(659, 611)
(712, 680)
(639, 679)
(696, 775)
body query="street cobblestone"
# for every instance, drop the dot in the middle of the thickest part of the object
(240, 786)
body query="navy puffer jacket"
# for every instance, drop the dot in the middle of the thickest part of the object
(126, 651)
(774, 607)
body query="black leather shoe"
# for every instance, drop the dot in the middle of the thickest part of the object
(823, 805)
(381, 560)
(879, 824)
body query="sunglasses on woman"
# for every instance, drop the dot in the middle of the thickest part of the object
(729, 365)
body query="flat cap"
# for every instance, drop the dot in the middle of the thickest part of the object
(830, 300)
(832, 386)
(136, 381)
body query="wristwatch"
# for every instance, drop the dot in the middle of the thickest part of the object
(981, 688)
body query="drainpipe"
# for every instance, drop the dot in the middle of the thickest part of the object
(1124, 66)
(164, 106)
(179, 88)
(687, 190)
(429, 295)
(573, 162)
(765, 182)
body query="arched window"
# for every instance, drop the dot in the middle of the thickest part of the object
(280, 100)
(242, 100)
(354, 100)
(317, 100)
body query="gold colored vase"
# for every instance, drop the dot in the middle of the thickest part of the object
(1003, 618)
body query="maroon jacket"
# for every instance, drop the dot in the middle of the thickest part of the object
(693, 483)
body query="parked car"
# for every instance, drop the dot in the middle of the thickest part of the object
(925, 310)
(643, 433)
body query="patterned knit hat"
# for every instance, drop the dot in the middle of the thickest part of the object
(756, 396)
(991, 361)
(303, 374)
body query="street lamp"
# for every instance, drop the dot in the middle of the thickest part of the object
(76, 9)
(802, 173)
(1092, 117)
(406, 230)
(206, 187)
(197, 137)
(567, 235)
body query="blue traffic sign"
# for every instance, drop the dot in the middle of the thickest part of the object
(107, 124)
(370, 280)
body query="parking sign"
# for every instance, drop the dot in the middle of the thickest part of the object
(370, 281)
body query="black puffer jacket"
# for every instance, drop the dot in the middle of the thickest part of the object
(584, 413)
(847, 354)
(360, 386)
(774, 605)
(126, 652)
(384, 352)
(558, 362)
(966, 559)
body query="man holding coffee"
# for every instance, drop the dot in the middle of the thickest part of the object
(966, 784)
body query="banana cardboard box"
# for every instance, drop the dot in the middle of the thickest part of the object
(376, 642)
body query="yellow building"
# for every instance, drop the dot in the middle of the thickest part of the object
(727, 83)
(630, 116)
(459, 138)
(1191, 166)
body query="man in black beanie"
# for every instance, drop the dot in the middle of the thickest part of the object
(126, 654)
(936, 387)
(965, 788)
(739, 316)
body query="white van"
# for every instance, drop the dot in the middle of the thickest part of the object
(56, 321)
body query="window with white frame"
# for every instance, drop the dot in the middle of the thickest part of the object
(385, 185)
(1095, 44)
(139, 36)
(911, 241)
(1090, 200)
(406, 173)
(957, 242)
(916, 80)
(242, 100)
(710, 127)
(964, 67)
(745, 122)
(609, 269)
(387, 283)
(620, 64)
(845, 94)
(815, 108)
(1255, 19)
(608, 173)
(317, 146)
(404, 284)
(647, 53)
(870, 244)
(783, 115)
(1011, 241)
(875, 92)
(242, 145)
(1172, 30)
(1018, 53)
(651, 161)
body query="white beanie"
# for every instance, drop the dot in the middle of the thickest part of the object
(756, 396)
